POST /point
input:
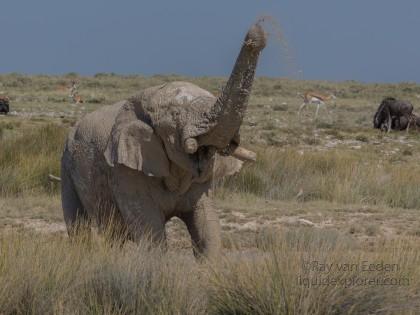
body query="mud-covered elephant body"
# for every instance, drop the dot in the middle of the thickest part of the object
(154, 156)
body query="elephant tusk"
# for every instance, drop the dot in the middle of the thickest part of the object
(54, 178)
(244, 154)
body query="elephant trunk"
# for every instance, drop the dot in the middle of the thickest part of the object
(227, 113)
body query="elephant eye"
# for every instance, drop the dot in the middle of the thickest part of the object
(206, 151)
(203, 149)
(226, 151)
(229, 149)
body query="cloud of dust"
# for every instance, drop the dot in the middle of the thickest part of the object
(287, 55)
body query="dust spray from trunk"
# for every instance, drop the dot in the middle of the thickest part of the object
(274, 30)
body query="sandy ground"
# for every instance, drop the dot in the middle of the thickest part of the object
(242, 221)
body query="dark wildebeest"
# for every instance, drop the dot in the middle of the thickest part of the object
(403, 123)
(390, 112)
(4, 105)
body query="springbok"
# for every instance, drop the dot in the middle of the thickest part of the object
(77, 99)
(315, 98)
(74, 93)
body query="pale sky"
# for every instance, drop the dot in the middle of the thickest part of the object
(364, 40)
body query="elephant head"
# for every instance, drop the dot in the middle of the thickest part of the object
(178, 127)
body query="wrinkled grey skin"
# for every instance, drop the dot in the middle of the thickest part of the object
(154, 156)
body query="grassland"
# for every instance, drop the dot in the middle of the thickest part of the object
(330, 190)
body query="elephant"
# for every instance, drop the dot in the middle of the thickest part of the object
(156, 155)
(4, 105)
(389, 113)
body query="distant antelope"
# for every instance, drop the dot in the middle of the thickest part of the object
(315, 98)
(77, 99)
(73, 88)
(74, 93)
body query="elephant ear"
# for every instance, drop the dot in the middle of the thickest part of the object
(135, 145)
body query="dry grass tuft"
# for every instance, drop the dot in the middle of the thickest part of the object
(289, 278)
(50, 275)
(27, 158)
(339, 176)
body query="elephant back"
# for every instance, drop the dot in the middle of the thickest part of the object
(96, 126)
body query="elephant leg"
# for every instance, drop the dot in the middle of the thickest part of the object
(137, 199)
(143, 221)
(146, 223)
(75, 216)
(110, 223)
(203, 224)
